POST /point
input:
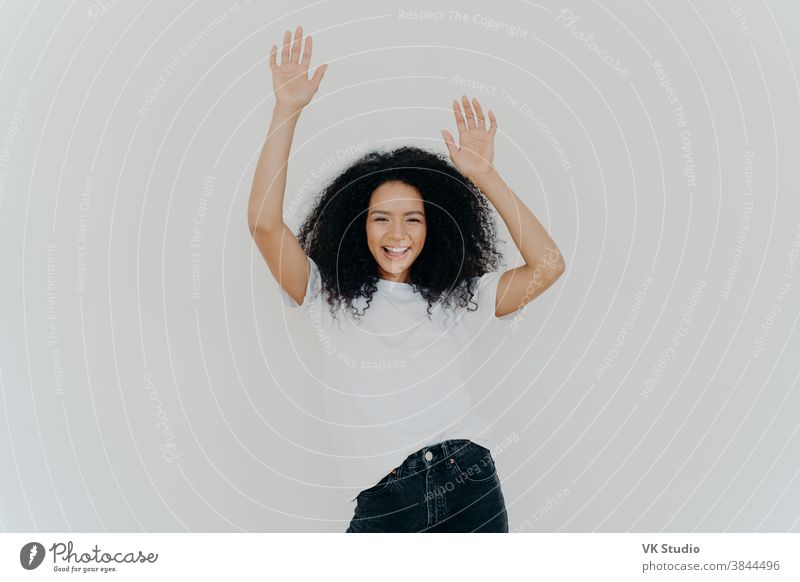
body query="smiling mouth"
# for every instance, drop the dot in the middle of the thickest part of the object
(395, 252)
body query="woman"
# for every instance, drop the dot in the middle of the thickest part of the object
(396, 266)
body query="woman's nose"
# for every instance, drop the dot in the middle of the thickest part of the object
(399, 230)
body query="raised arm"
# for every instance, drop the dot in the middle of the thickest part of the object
(473, 157)
(293, 91)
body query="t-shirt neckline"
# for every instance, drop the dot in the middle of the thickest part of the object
(385, 283)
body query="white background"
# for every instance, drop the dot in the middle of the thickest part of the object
(103, 185)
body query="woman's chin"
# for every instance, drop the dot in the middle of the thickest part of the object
(395, 267)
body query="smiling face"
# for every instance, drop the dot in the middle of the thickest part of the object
(395, 219)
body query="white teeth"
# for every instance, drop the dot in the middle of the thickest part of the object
(396, 251)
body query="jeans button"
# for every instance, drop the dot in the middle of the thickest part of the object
(428, 456)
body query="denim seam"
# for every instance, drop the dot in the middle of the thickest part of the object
(463, 474)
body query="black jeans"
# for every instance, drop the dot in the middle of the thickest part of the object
(451, 486)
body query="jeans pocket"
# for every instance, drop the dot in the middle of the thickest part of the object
(381, 486)
(474, 463)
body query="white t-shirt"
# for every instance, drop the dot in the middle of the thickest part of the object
(394, 381)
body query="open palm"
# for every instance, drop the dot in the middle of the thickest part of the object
(290, 80)
(475, 153)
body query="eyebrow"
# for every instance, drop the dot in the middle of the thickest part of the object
(406, 214)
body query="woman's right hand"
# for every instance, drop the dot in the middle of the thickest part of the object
(293, 89)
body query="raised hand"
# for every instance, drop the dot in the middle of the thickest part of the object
(475, 154)
(293, 88)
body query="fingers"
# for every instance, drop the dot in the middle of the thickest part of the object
(307, 53)
(272, 62)
(462, 127)
(318, 74)
(471, 114)
(298, 36)
(449, 142)
(290, 53)
(468, 112)
(479, 114)
(287, 38)
(493, 123)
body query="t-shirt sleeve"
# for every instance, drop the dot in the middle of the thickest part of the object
(486, 298)
(313, 288)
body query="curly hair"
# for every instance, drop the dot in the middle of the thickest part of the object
(460, 243)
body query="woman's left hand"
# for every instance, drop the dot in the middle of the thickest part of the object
(473, 157)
